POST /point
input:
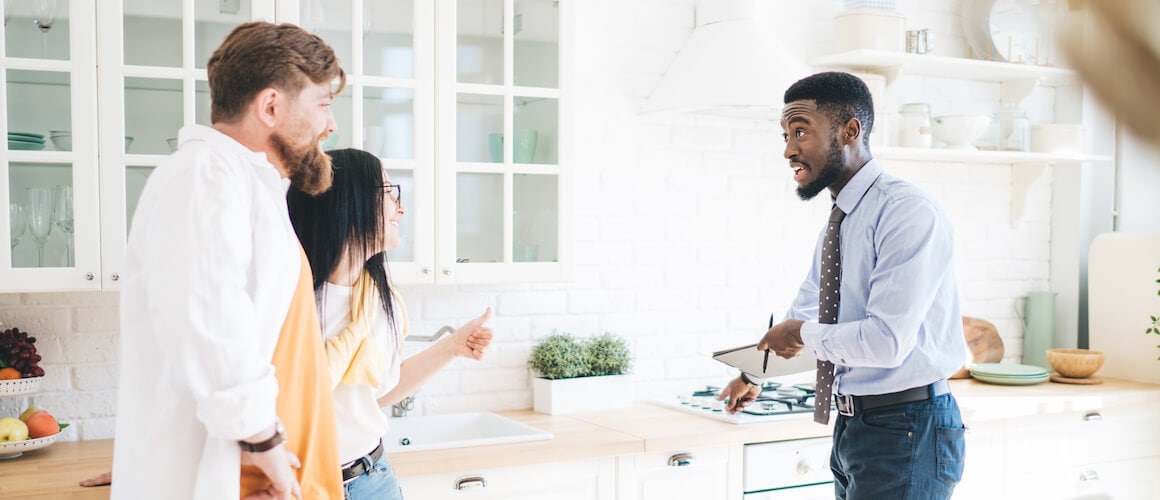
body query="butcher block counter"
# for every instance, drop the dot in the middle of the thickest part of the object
(54, 472)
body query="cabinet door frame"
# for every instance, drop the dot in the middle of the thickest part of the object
(82, 160)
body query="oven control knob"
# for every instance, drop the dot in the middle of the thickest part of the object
(803, 467)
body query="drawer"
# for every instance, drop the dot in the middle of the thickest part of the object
(784, 464)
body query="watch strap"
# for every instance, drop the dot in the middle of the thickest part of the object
(269, 443)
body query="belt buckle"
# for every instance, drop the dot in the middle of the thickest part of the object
(365, 462)
(845, 404)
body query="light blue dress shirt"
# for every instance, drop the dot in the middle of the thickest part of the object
(899, 324)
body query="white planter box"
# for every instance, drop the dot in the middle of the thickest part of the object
(573, 395)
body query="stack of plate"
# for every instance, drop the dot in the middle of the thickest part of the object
(1008, 374)
(25, 141)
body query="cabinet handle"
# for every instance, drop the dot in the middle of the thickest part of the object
(90, 276)
(115, 277)
(1093, 417)
(682, 460)
(470, 482)
(1089, 475)
(447, 272)
(426, 270)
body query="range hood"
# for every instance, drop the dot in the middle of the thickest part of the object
(729, 67)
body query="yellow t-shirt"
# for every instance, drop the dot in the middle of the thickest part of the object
(305, 402)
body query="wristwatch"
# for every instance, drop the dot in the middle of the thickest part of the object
(278, 438)
(748, 382)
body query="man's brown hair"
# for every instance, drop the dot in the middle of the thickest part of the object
(260, 55)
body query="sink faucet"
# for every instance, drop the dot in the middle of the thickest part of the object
(407, 404)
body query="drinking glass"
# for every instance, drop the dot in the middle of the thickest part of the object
(18, 222)
(40, 217)
(44, 15)
(63, 218)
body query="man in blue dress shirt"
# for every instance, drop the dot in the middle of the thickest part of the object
(898, 334)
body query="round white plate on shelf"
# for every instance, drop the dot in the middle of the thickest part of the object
(1004, 30)
(20, 386)
(13, 449)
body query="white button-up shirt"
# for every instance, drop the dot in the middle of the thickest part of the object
(210, 268)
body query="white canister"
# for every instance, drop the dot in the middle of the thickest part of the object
(1057, 138)
(870, 29)
(914, 125)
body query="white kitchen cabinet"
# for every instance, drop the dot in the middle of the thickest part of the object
(589, 479)
(480, 209)
(985, 459)
(704, 474)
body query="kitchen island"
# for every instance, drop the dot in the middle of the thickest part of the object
(54, 472)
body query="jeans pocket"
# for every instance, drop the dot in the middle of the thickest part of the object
(895, 422)
(951, 450)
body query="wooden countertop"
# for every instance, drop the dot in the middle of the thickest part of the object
(54, 472)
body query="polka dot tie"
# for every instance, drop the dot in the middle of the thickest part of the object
(828, 293)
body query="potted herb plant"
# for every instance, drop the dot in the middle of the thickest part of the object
(573, 375)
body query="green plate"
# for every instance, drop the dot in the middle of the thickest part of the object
(1009, 380)
(25, 140)
(24, 146)
(1008, 370)
(25, 135)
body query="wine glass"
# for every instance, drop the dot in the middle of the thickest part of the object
(17, 222)
(40, 216)
(44, 15)
(63, 218)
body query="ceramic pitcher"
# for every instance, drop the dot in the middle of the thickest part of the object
(1037, 313)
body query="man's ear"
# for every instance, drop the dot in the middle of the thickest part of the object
(851, 131)
(266, 106)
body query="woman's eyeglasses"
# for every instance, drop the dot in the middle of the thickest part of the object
(395, 191)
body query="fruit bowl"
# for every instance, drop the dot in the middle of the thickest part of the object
(20, 386)
(13, 449)
(1075, 363)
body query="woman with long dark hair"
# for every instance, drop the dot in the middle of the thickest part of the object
(346, 232)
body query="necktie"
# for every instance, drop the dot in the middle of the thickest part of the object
(828, 294)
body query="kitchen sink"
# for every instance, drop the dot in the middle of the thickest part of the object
(457, 430)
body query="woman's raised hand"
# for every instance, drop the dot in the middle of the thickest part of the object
(471, 340)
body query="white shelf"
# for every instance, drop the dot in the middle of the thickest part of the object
(887, 62)
(974, 156)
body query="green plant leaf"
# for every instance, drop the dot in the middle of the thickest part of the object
(62, 426)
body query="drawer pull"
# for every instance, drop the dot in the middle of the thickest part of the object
(682, 460)
(1089, 475)
(1093, 417)
(470, 483)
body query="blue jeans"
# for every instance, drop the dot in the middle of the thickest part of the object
(379, 483)
(904, 451)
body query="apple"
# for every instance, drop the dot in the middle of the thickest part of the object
(28, 413)
(42, 424)
(12, 429)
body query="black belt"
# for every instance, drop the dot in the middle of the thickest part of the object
(850, 405)
(363, 464)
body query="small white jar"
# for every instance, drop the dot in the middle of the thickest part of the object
(914, 125)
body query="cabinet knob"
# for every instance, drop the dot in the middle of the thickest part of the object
(682, 460)
(1093, 417)
(426, 270)
(115, 277)
(470, 482)
(1089, 475)
(804, 468)
(447, 272)
(90, 276)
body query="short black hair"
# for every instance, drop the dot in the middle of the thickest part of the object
(841, 96)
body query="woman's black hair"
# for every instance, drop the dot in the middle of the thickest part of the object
(347, 218)
(840, 96)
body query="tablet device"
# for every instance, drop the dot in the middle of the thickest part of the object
(749, 360)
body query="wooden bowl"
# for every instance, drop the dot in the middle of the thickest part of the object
(1075, 363)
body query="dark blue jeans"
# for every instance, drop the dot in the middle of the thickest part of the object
(904, 451)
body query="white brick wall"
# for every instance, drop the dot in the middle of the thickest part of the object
(688, 232)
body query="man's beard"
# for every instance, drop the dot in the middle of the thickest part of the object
(829, 173)
(308, 167)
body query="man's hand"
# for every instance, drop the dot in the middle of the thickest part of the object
(471, 340)
(739, 394)
(278, 464)
(784, 339)
(102, 479)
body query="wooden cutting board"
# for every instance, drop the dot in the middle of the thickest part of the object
(983, 341)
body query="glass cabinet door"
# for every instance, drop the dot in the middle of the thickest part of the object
(387, 108)
(502, 178)
(49, 171)
(153, 83)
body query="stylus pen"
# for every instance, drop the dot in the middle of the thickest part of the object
(765, 364)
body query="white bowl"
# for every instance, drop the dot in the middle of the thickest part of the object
(960, 131)
(62, 140)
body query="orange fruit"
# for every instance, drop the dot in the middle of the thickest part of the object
(9, 373)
